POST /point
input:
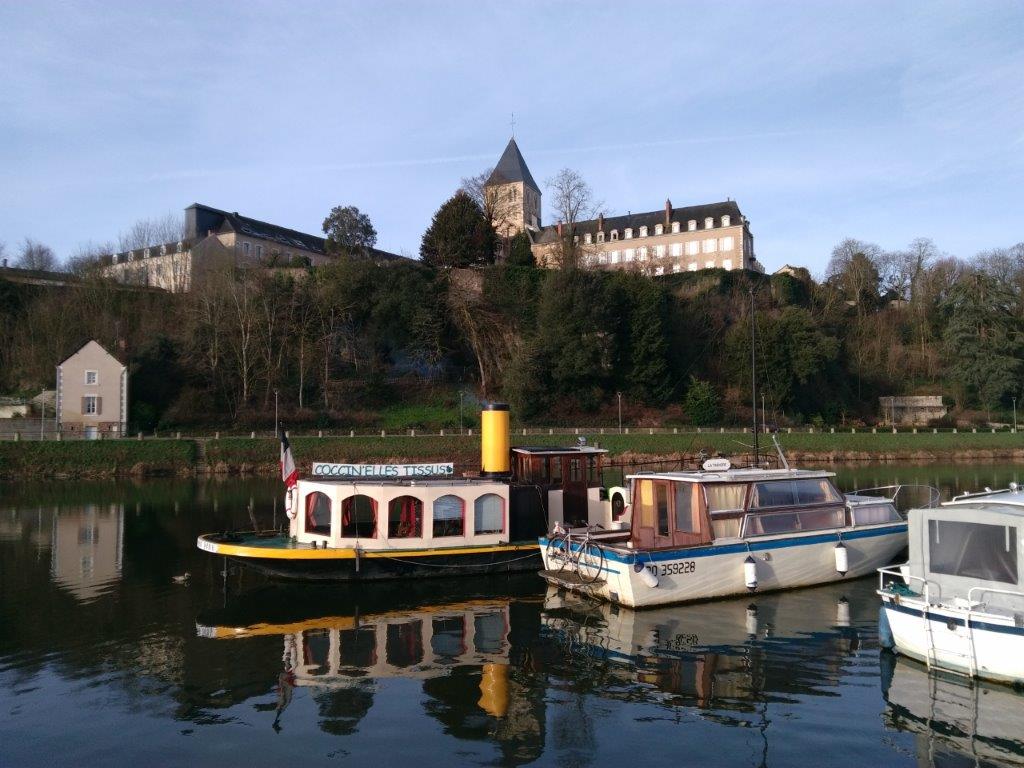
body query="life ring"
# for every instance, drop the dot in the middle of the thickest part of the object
(289, 506)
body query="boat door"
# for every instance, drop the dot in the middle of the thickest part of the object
(574, 487)
(669, 514)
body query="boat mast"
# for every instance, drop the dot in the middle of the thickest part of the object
(753, 374)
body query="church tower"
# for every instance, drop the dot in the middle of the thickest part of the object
(513, 197)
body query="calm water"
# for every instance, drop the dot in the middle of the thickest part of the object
(106, 659)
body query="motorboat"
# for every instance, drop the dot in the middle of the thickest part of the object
(957, 604)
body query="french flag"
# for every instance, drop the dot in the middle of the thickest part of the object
(289, 474)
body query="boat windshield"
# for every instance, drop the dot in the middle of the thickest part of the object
(973, 550)
(794, 522)
(791, 493)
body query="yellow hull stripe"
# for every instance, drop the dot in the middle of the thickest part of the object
(348, 553)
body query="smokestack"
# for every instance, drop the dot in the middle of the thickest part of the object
(600, 222)
(668, 212)
(495, 441)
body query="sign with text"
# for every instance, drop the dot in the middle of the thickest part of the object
(377, 471)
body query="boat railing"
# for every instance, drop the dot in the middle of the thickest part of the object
(991, 591)
(902, 495)
(906, 577)
(1013, 488)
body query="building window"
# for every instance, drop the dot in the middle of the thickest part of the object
(709, 222)
(675, 227)
(693, 266)
(615, 257)
(113, 259)
(692, 248)
(725, 221)
(602, 258)
(600, 237)
(90, 405)
(145, 253)
(449, 516)
(358, 517)
(677, 267)
(179, 246)
(642, 253)
(709, 264)
(691, 225)
(259, 251)
(677, 249)
(659, 270)
(710, 245)
(630, 254)
(726, 244)
(245, 248)
(587, 238)
(489, 514)
(659, 229)
(130, 256)
(405, 518)
(163, 250)
(615, 234)
(726, 263)
(643, 231)
(318, 513)
(629, 233)
(92, 377)
(659, 251)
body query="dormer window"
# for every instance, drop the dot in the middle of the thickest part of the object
(659, 229)
(725, 221)
(629, 233)
(600, 237)
(643, 231)
(615, 234)
(163, 250)
(179, 246)
(587, 238)
(675, 227)
(145, 253)
(113, 259)
(130, 256)
(691, 225)
(575, 239)
(709, 222)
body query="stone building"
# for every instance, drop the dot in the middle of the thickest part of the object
(214, 239)
(707, 236)
(915, 410)
(92, 393)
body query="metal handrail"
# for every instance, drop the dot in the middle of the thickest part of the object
(934, 496)
(991, 590)
(882, 572)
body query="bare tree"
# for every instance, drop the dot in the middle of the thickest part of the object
(475, 187)
(572, 201)
(169, 228)
(88, 259)
(35, 255)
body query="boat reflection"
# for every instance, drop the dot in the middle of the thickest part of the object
(954, 722)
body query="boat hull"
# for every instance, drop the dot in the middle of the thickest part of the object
(945, 638)
(708, 572)
(309, 564)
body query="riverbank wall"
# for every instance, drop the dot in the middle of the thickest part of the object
(246, 456)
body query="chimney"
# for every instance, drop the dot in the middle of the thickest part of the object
(668, 212)
(5, 263)
(600, 222)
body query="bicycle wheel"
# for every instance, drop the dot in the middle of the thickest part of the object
(557, 552)
(590, 562)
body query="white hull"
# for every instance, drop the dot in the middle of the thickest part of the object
(705, 572)
(988, 646)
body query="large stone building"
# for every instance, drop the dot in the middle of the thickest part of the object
(214, 239)
(92, 393)
(708, 236)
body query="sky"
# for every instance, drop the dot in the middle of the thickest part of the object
(882, 121)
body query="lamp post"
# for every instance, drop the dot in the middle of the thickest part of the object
(763, 422)
(1015, 415)
(461, 396)
(277, 422)
(619, 396)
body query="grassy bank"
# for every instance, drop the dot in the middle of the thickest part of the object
(259, 456)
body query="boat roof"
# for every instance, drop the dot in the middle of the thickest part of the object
(745, 475)
(1006, 501)
(547, 450)
(419, 482)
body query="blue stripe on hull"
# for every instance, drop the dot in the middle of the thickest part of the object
(945, 620)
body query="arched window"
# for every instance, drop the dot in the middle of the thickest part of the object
(449, 516)
(405, 518)
(318, 513)
(358, 517)
(489, 514)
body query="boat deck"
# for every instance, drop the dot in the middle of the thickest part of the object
(570, 579)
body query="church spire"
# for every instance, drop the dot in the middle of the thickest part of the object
(512, 168)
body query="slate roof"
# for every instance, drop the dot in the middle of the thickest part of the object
(649, 219)
(511, 167)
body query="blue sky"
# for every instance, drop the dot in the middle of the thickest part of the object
(882, 121)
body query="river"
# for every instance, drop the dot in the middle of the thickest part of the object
(121, 643)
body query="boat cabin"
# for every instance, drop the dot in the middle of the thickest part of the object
(569, 480)
(673, 509)
(968, 549)
(405, 513)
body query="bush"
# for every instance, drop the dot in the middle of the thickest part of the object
(702, 403)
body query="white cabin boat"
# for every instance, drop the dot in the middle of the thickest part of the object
(721, 532)
(957, 604)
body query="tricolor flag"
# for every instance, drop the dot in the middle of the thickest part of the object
(289, 474)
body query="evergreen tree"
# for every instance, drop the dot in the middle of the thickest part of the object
(649, 340)
(519, 251)
(459, 235)
(701, 403)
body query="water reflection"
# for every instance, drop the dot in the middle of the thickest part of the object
(954, 721)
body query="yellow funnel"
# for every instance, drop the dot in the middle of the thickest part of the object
(495, 441)
(494, 690)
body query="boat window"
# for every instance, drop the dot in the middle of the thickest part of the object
(358, 647)
(726, 528)
(792, 522)
(316, 651)
(556, 470)
(789, 493)
(488, 632)
(574, 471)
(685, 514)
(538, 470)
(874, 513)
(449, 516)
(661, 499)
(973, 550)
(404, 643)
(724, 497)
(318, 513)
(405, 518)
(644, 503)
(358, 517)
(489, 514)
(448, 637)
(591, 469)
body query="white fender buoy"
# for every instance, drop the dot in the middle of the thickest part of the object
(750, 573)
(843, 612)
(842, 558)
(647, 576)
(752, 620)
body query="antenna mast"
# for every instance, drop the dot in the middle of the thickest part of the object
(753, 375)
